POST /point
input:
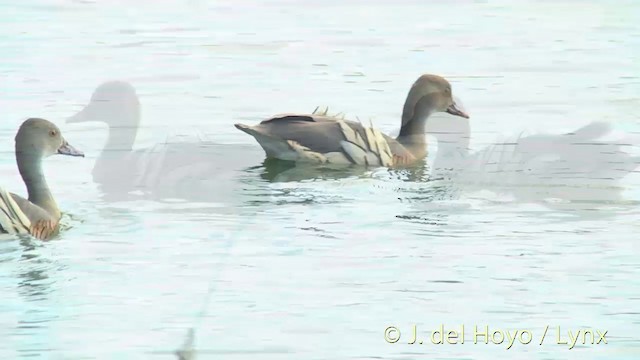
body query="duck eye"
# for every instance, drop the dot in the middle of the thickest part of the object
(53, 133)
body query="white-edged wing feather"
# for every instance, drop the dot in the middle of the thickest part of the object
(12, 219)
(381, 146)
(359, 155)
(357, 146)
(352, 136)
(304, 154)
(372, 151)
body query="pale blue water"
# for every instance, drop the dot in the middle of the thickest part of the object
(317, 269)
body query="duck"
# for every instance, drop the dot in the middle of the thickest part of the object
(38, 215)
(116, 104)
(535, 166)
(323, 139)
(193, 169)
(579, 157)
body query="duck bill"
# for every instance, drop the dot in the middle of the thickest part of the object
(454, 109)
(67, 149)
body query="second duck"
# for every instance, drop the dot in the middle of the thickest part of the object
(322, 139)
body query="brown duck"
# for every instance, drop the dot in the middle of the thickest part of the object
(39, 215)
(322, 139)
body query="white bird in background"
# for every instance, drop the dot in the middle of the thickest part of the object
(192, 170)
(574, 166)
(580, 165)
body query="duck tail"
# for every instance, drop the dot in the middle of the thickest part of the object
(273, 146)
(245, 128)
(257, 134)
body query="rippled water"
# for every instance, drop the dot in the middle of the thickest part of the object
(317, 266)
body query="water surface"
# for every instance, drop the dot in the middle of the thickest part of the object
(316, 267)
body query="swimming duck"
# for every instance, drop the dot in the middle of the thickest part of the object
(190, 169)
(535, 166)
(39, 214)
(322, 139)
(116, 104)
(577, 157)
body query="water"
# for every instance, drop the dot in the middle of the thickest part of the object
(302, 266)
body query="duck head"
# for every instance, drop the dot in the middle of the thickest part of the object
(42, 138)
(114, 103)
(429, 94)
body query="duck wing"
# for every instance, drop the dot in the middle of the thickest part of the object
(325, 139)
(12, 219)
(20, 216)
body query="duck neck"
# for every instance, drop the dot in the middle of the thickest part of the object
(30, 166)
(453, 138)
(123, 119)
(414, 118)
(121, 137)
(413, 137)
(452, 135)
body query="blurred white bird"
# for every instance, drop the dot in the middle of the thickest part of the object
(194, 169)
(580, 165)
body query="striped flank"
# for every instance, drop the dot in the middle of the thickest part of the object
(371, 151)
(12, 219)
